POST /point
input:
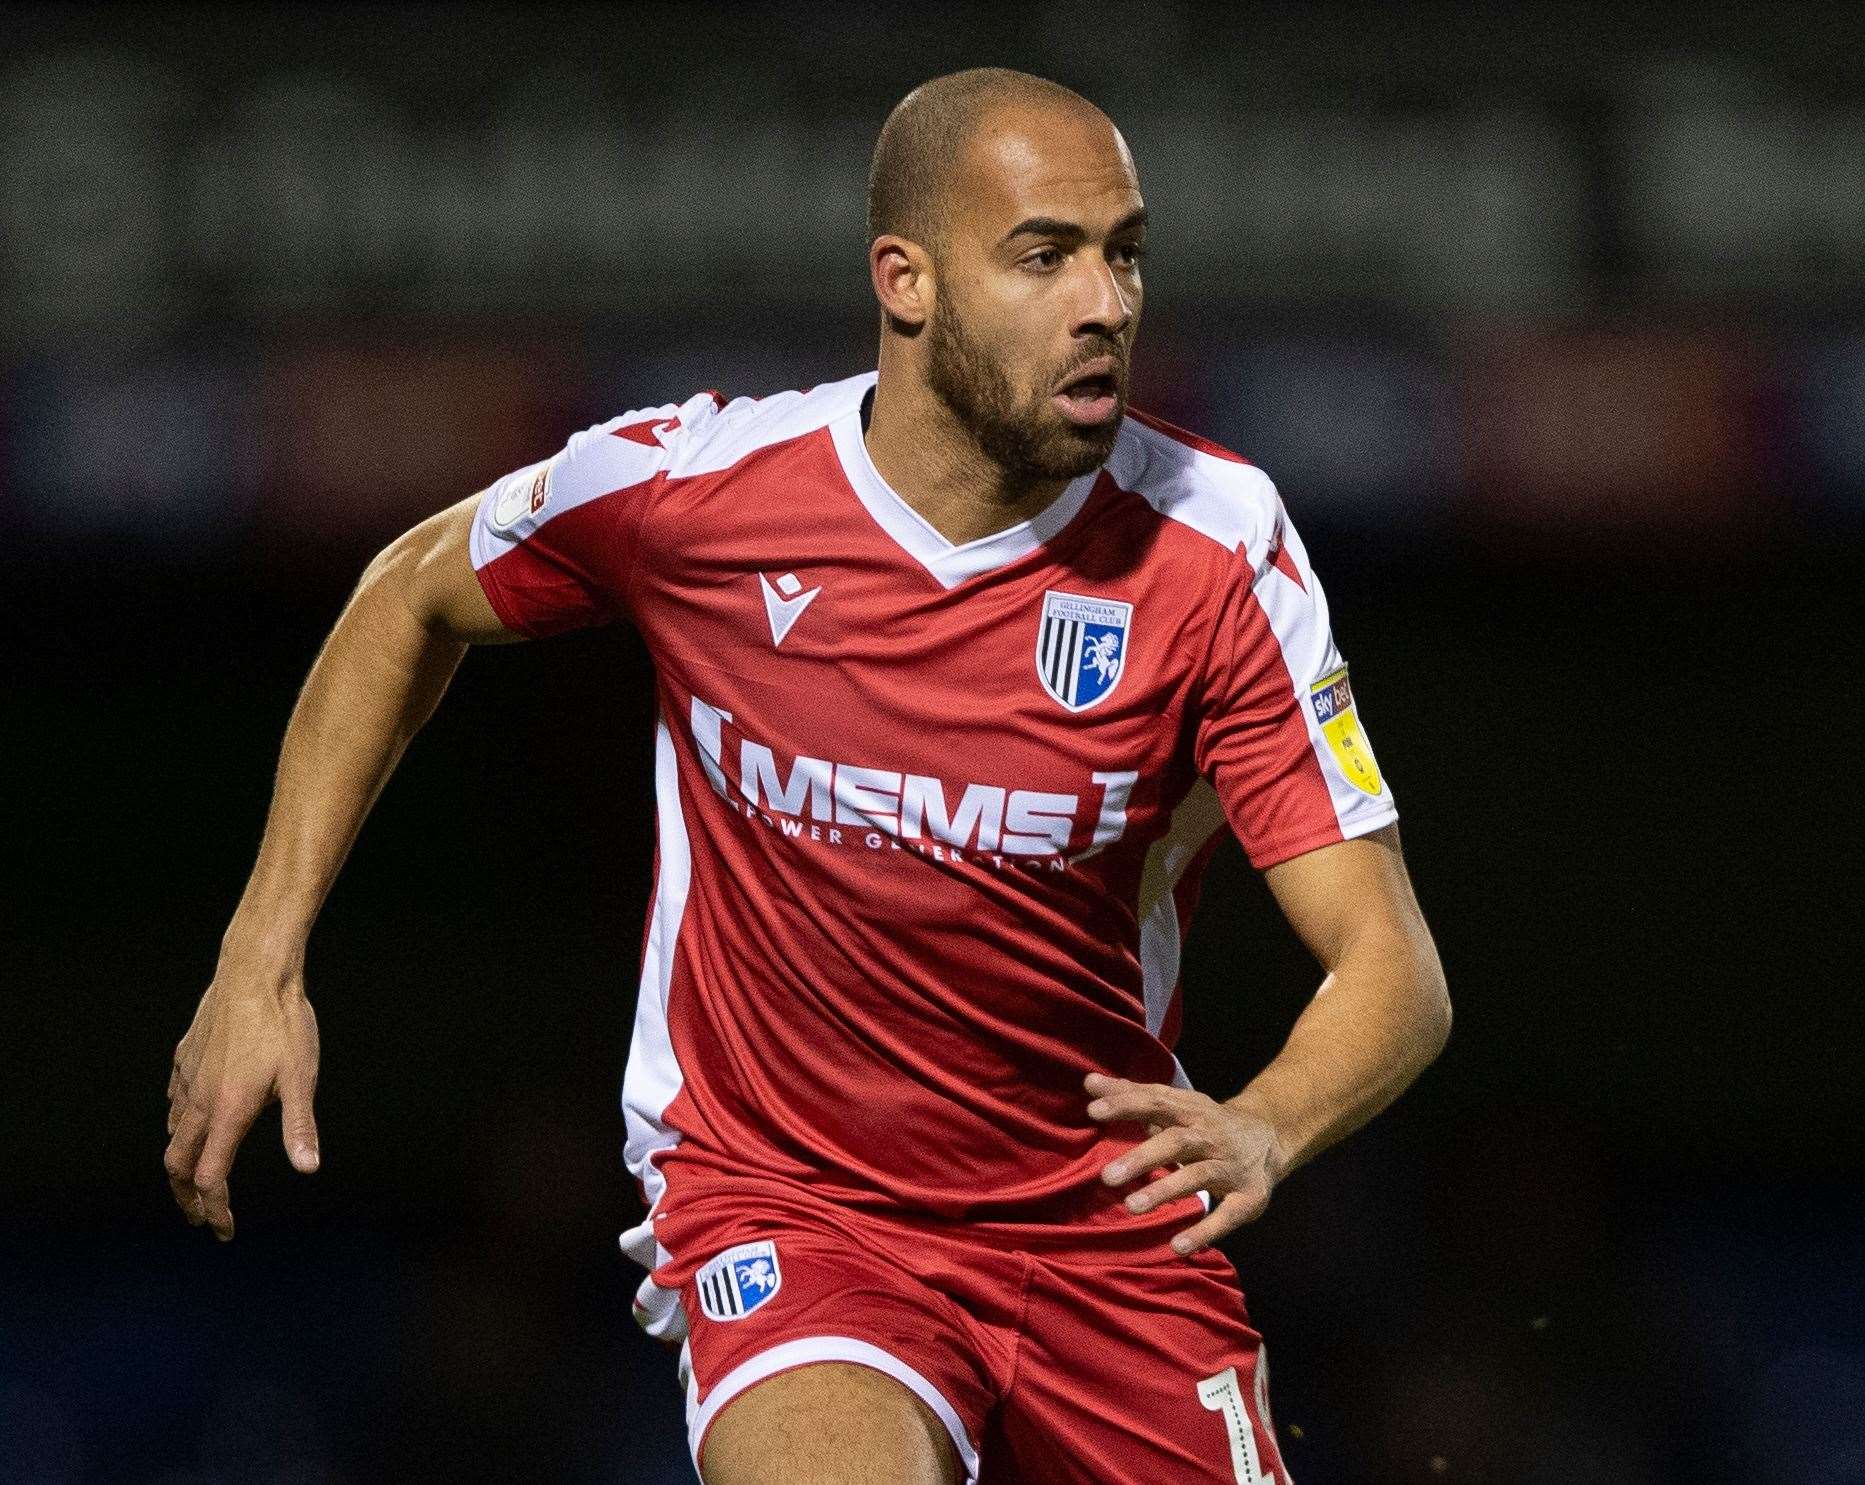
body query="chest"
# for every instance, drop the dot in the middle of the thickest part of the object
(1036, 708)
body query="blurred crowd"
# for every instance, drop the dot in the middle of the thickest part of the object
(1550, 324)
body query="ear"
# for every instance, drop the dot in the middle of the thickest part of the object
(903, 279)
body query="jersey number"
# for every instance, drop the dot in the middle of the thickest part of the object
(1223, 1394)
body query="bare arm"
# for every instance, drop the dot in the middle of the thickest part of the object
(1382, 1013)
(379, 677)
(1380, 1018)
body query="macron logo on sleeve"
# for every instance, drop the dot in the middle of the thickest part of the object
(649, 432)
(784, 603)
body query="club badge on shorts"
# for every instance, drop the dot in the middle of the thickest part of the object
(1332, 699)
(740, 1279)
(1081, 647)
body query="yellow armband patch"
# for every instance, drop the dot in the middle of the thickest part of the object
(1332, 699)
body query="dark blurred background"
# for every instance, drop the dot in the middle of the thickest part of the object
(1549, 321)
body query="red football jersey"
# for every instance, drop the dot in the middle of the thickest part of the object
(931, 816)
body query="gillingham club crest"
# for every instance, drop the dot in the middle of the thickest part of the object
(740, 1279)
(1081, 647)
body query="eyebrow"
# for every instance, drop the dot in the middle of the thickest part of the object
(1072, 231)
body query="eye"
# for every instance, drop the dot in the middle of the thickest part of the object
(1129, 254)
(1044, 259)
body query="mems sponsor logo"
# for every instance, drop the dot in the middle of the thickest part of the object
(840, 803)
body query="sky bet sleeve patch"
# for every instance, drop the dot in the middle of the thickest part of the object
(1332, 699)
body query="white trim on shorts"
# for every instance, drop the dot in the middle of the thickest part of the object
(821, 1348)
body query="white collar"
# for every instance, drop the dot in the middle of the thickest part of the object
(915, 535)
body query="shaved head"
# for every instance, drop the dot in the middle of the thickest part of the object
(1007, 229)
(921, 151)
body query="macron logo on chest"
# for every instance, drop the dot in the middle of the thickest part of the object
(784, 603)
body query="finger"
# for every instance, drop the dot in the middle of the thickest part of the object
(299, 1126)
(1102, 1085)
(177, 1097)
(1224, 1218)
(1137, 1103)
(1174, 1184)
(1168, 1147)
(189, 1129)
(224, 1134)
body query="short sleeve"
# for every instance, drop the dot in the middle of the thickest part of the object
(1278, 733)
(555, 544)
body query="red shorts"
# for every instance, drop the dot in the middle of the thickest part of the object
(1079, 1365)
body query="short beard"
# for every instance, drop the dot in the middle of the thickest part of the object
(974, 389)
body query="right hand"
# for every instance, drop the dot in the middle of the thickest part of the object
(248, 1045)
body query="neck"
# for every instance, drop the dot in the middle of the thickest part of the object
(932, 461)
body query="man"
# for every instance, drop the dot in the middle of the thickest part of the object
(962, 666)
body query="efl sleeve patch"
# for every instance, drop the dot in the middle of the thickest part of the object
(1332, 700)
(521, 497)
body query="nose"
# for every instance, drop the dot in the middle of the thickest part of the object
(1106, 308)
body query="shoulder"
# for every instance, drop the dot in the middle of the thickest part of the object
(702, 435)
(726, 434)
(609, 467)
(1200, 485)
(621, 460)
(621, 453)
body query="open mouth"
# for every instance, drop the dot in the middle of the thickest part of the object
(1090, 396)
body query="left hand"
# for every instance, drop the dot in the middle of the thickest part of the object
(1227, 1151)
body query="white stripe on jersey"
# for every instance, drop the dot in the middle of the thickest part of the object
(1233, 503)
(746, 424)
(1200, 814)
(653, 1077)
(593, 463)
(1236, 505)
(1298, 615)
